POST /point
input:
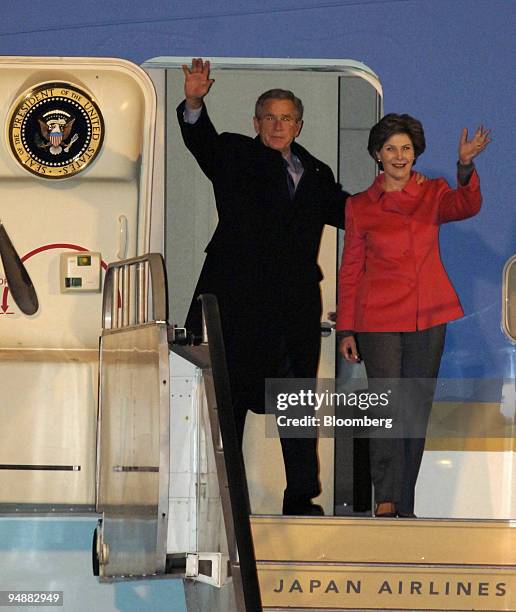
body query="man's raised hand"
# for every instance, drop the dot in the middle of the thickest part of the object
(197, 82)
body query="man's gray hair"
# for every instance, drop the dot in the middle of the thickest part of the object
(278, 94)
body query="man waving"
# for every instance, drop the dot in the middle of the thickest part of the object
(273, 199)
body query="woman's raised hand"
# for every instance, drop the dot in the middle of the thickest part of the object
(468, 149)
(197, 82)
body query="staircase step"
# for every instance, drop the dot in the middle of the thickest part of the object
(366, 540)
(344, 586)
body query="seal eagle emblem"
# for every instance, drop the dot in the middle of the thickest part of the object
(55, 130)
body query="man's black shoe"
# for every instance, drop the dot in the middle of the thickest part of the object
(301, 508)
(407, 515)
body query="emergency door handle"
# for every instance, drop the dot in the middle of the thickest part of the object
(122, 237)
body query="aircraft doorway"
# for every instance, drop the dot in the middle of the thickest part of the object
(342, 101)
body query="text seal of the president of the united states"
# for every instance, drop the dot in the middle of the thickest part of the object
(55, 130)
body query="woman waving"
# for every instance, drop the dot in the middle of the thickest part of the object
(395, 297)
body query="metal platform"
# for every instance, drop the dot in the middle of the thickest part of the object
(392, 564)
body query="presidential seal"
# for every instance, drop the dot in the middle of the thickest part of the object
(55, 130)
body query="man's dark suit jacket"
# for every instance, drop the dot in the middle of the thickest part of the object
(261, 262)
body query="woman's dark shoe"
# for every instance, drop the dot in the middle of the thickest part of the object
(385, 510)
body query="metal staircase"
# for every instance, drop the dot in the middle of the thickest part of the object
(263, 562)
